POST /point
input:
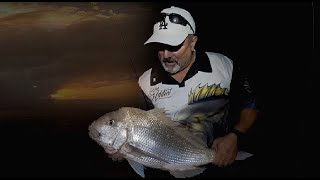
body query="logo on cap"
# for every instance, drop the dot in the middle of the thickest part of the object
(163, 24)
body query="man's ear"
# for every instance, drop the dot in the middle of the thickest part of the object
(193, 42)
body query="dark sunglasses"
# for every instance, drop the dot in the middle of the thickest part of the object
(176, 19)
(162, 47)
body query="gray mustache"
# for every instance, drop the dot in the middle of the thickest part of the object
(169, 60)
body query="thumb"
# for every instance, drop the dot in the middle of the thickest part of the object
(215, 143)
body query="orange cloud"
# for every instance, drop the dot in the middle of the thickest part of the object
(50, 15)
(96, 90)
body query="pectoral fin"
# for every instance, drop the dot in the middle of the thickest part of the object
(137, 167)
(188, 173)
(243, 155)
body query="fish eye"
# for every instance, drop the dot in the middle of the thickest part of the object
(110, 122)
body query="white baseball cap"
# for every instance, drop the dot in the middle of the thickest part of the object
(173, 29)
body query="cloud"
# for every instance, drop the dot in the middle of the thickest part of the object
(96, 90)
(51, 15)
(90, 58)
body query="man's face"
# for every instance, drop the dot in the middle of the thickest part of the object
(175, 58)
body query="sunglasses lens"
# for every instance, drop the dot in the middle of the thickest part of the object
(162, 47)
(173, 48)
(177, 19)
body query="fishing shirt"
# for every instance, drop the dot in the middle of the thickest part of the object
(211, 77)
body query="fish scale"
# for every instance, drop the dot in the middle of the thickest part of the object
(173, 150)
(155, 141)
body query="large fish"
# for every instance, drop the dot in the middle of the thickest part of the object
(151, 139)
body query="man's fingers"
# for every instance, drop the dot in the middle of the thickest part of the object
(226, 163)
(221, 163)
(116, 157)
(222, 159)
(215, 144)
(113, 158)
(218, 159)
(120, 159)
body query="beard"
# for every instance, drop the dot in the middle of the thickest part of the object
(171, 65)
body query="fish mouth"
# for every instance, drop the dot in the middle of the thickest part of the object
(111, 148)
(107, 147)
(93, 133)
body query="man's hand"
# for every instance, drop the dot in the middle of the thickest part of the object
(226, 149)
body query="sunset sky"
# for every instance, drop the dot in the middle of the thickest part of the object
(65, 64)
(71, 51)
(57, 52)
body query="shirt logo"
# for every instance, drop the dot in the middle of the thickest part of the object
(156, 93)
(201, 92)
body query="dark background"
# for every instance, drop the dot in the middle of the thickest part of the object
(273, 41)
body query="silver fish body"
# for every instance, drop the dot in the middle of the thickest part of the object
(151, 139)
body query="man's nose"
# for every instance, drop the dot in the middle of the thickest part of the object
(166, 53)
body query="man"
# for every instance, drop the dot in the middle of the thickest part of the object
(187, 78)
(198, 89)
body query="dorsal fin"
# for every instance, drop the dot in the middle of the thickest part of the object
(162, 116)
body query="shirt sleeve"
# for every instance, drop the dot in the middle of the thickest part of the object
(242, 94)
(149, 104)
(144, 82)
